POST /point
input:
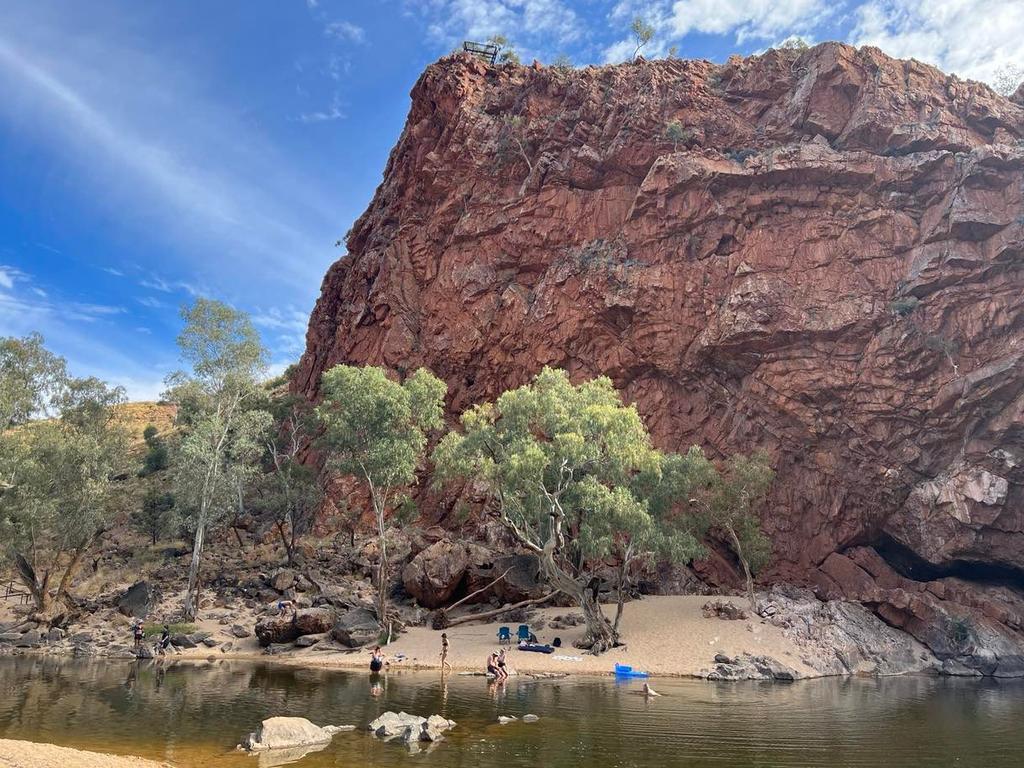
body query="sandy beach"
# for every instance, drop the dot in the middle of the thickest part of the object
(27, 754)
(666, 636)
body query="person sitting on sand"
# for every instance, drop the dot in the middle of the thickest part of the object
(445, 665)
(377, 661)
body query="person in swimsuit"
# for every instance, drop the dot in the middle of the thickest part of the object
(492, 666)
(377, 660)
(445, 665)
(501, 665)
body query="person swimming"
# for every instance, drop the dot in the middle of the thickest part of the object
(377, 660)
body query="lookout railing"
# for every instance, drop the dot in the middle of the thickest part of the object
(486, 52)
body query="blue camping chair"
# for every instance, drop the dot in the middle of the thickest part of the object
(505, 635)
(523, 633)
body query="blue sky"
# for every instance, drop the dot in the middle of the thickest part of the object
(153, 152)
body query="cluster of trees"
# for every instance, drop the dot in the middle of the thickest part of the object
(569, 469)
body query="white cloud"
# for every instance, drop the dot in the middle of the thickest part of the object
(972, 38)
(151, 301)
(157, 283)
(328, 115)
(114, 272)
(748, 19)
(345, 30)
(7, 277)
(535, 28)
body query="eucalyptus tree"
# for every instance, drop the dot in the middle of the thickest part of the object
(222, 429)
(375, 429)
(59, 473)
(571, 472)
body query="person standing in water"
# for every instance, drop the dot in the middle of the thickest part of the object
(377, 660)
(445, 665)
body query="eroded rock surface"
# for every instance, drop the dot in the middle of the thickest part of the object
(828, 265)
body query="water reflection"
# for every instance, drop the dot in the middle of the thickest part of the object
(194, 714)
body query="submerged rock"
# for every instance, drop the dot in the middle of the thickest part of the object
(289, 733)
(410, 728)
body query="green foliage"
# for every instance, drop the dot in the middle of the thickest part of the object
(31, 378)
(158, 457)
(677, 134)
(562, 63)
(57, 477)
(374, 428)
(960, 630)
(572, 474)
(904, 305)
(223, 423)
(507, 54)
(642, 33)
(155, 630)
(289, 493)
(156, 516)
(732, 503)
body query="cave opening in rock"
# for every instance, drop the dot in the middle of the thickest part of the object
(910, 565)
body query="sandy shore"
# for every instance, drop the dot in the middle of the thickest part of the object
(665, 636)
(27, 754)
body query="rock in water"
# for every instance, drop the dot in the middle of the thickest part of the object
(290, 733)
(410, 728)
(817, 271)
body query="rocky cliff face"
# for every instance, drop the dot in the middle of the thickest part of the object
(827, 261)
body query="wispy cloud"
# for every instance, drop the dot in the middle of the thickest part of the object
(330, 114)
(151, 302)
(114, 272)
(157, 283)
(345, 30)
(208, 181)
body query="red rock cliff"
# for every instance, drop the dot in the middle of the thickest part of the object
(827, 261)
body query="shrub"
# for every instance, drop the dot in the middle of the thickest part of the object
(152, 630)
(904, 305)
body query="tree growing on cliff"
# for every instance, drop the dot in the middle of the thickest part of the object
(643, 33)
(221, 432)
(560, 464)
(155, 516)
(732, 501)
(375, 430)
(507, 54)
(59, 474)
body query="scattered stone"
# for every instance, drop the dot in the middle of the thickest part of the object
(240, 632)
(54, 635)
(506, 719)
(209, 642)
(309, 640)
(182, 641)
(410, 728)
(10, 637)
(530, 718)
(720, 609)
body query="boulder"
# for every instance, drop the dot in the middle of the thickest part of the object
(240, 632)
(289, 733)
(314, 621)
(306, 641)
(276, 630)
(282, 579)
(29, 640)
(54, 635)
(137, 601)
(356, 628)
(521, 579)
(183, 641)
(10, 637)
(436, 573)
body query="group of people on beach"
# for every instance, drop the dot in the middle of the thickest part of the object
(139, 634)
(497, 666)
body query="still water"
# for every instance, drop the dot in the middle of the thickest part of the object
(192, 715)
